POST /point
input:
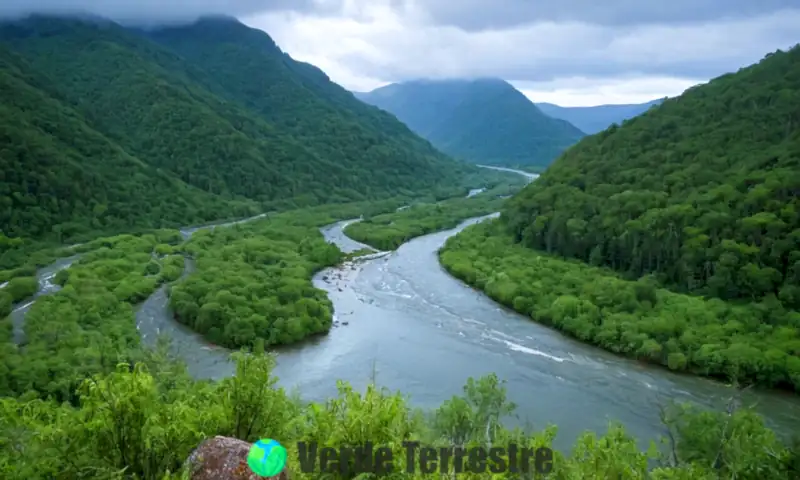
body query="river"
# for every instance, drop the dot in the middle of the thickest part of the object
(402, 318)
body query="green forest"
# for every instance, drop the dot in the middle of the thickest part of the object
(673, 238)
(83, 398)
(109, 130)
(485, 121)
(636, 318)
(390, 230)
(250, 286)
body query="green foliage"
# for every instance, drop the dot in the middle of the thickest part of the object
(88, 326)
(484, 121)
(701, 190)
(107, 131)
(142, 421)
(390, 230)
(633, 318)
(20, 288)
(80, 181)
(253, 281)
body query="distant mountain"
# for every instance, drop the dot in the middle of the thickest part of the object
(596, 119)
(106, 129)
(484, 121)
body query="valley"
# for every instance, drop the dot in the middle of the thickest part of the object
(355, 275)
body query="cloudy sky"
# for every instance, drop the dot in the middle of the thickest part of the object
(568, 52)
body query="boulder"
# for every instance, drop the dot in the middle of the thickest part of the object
(224, 458)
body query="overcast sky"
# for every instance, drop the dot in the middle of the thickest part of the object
(568, 52)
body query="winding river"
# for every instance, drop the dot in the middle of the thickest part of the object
(405, 321)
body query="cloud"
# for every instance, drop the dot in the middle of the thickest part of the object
(583, 91)
(473, 15)
(578, 48)
(164, 10)
(374, 43)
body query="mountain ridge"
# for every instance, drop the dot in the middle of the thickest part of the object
(597, 118)
(484, 120)
(232, 147)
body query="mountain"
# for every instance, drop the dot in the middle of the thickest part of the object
(63, 176)
(108, 129)
(703, 191)
(596, 119)
(484, 121)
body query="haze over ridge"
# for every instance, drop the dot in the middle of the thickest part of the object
(567, 52)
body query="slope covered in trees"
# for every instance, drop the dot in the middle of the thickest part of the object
(484, 121)
(701, 196)
(596, 119)
(63, 177)
(105, 130)
(703, 191)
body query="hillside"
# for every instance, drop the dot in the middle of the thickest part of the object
(672, 239)
(706, 196)
(120, 131)
(74, 177)
(596, 119)
(484, 121)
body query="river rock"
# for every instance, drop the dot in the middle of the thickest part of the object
(224, 458)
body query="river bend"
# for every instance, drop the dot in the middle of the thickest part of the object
(402, 318)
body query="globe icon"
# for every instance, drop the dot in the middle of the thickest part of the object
(266, 457)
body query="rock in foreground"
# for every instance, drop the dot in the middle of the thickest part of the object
(224, 458)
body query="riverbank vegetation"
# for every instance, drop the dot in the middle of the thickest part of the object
(252, 283)
(251, 286)
(390, 230)
(165, 415)
(702, 204)
(89, 325)
(634, 318)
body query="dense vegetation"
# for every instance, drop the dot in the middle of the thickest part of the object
(699, 195)
(485, 121)
(89, 325)
(596, 119)
(84, 399)
(703, 191)
(142, 422)
(105, 130)
(390, 230)
(634, 318)
(253, 285)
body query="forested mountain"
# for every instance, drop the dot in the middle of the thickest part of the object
(60, 172)
(595, 119)
(106, 129)
(703, 192)
(485, 121)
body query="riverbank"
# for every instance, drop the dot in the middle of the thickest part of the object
(390, 230)
(636, 319)
(413, 328)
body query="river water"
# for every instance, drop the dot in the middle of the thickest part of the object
(405, 322)
(46, 286)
